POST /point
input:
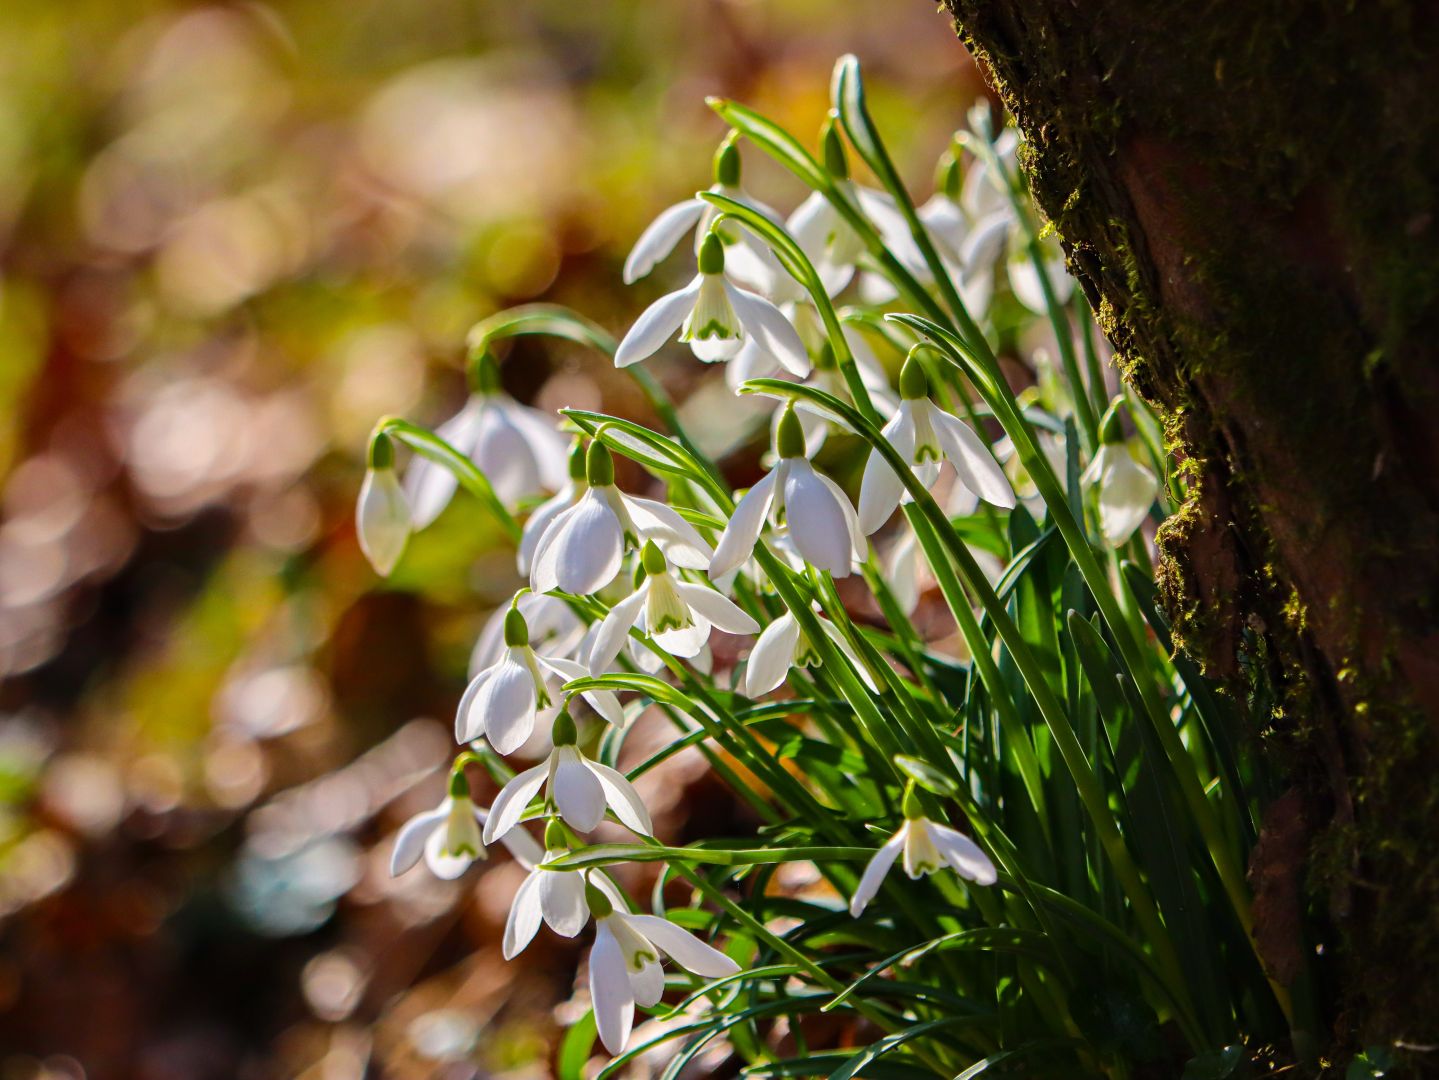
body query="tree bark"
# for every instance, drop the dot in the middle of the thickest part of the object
(1247, 194)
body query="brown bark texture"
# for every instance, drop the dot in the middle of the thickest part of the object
(1247, 194)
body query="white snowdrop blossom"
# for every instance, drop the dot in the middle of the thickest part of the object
(678, 615)
(747, 259)
(554, 628)
(519, 449)
(784, 645)
(716, 318)
(1024, 278)
(582, 548)
(926, 436)
(579, 788)
(542, 515)
(449, 837)
(504, 700)
(625, 965)
(927, 847)
(554, 897)
(1126, 488)
(822, 523)
(382, 513)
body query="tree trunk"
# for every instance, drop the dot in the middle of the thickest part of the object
(1247, 195)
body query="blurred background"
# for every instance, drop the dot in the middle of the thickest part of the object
(231, 237)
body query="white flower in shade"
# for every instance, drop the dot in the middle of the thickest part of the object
(625, 965)
(747, 259)
(907, 571)
(821, 522)
(582, 548)
(715, 318)
(542, 515)
(579, 788)
(554, 897)
(449, 837)
(1126, 488)
(784, 645)
(926, 436)
(554, 628)
(518, 448)
(382, 513)
(678, 615)
(504, 700)
(983, 192)
(927, 847)
(1024, 278)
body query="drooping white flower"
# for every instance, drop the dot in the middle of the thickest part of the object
(504, 700)
(1126, 488)
(579, 788)
(449, 837)
(926, 436)
(678, 615)
(784, 645)
(555, 630)
(382, 513)
(554, 897)
(581, 549)
(927, 847)
(715, 317)
(822, 523)
(747, 259)
(542, 515)
(625, 965)
(518, 448)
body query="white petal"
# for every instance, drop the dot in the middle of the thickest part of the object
(602, 701)
(615, 629)
(410, 842)
(504, 454)
(470, 722)
(430, 486)
(510, 803)
(548, 446)
(676, 537)
(382, 520)
(443, 865)
(816, 521)
(622, 798)
(768, 326)
(811, 224)
(520, 844)
(657, 324)
(577, 791)
(902, 570)
(648, 984)
(971, 459)
(879, 493)
(562, 900)
(538, 522)
(874, 872)
(751, 362)
(660, 237)
(858, 546)
(983, 247)
(687, 641)
(1126, 491)
(772, 656)
(962, 854)
(586, 553)
(506, 704)
(524, 919)
(723, 613)
(736, 543)
(683, 947)
(610, 991)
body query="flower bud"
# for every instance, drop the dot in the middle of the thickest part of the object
(556, 839)
(727, 163)
(485, 375)
(564, 733)
(598, 903)
(834, 160)
(382, 513)
(1111, 431)
(652, 558)
(911, 807)
(913, 382)
(459, 784)
(517, 631)
(599, 465)
(949, 178)
(789, 438)
(577, 462)
(711, 257)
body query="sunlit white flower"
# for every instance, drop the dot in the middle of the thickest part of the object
(541, 516)
(625, 965)
(504, 700)
(678, 615)
(747, 259)
(821, 521)
(382, 513)
(927, 847)
(579, 788)
(1126, 488)
(555, 897)
(518, 448)
(582, 548)
(926, 436)
(784, 645)
(555, 630)
(449, 837)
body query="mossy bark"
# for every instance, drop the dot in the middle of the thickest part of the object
(1247, 193)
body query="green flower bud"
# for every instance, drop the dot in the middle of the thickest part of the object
(577, 462)
(598, 903)
(1111, 431)
(564, 733)
(652, 558)
(599, 465)
(555, 836)
(711, 256)
(911, 805)
(727, 163)
(381, 452)
(949, 178)
(789, 440)
(459, 784)
(913, 382)
(517, 631)
(485, 374)
(834, 159)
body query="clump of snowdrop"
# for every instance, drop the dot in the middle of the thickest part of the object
(1126, 488)
(382, 513)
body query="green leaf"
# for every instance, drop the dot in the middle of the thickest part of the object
(575, 1048)
(926, 775)
(551, 320)
(1221, 1064)
(608, 854)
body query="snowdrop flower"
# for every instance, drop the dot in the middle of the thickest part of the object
(503, 701)
(927, 847)
(927, 436)
(1024, 278)
(540, 518)
(984, 191)
(676, 614)
(579, 788)
(554, 627)
(518, 448)
(715, 318)
(1126, 488)
(581, 549)
(555, 897)
(748, 259)
(784, 645)
(382, 513)
(821, 521)
(449, 837)
(625, 964)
